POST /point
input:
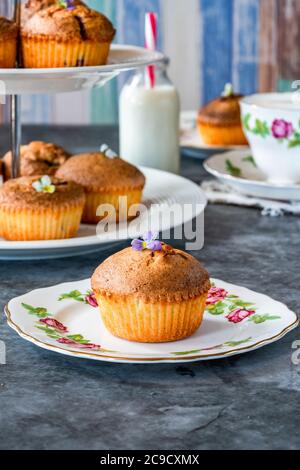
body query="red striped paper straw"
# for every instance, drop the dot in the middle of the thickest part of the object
(151, 43)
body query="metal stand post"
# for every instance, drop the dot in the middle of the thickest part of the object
(15, 118)
(16, 134)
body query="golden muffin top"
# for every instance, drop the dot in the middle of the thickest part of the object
(97, 172)
(165, 275)
(30, 7)
(223, 110)
(40, 191)
(70, 24)
(8, 29)
(37, 158)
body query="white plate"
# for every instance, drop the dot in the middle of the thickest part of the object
(218, 337)
(162, 190)
(190, 137)
(250, 181)
(61, 80)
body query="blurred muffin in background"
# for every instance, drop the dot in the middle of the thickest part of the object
(105, 178)
(8, 43)
(219, 122)
(66, 36)
(1, 172)
(37, 158)
(40, 208)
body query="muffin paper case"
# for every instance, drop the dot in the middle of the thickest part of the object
(94, 200)
(8, 53)
(221, 135)
(40, 224)
(41, 52)
(39, 209)
(159, 322)
(156, 293)
(8, 43)
(66, 35)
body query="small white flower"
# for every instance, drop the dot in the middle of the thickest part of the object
(44, 185)
(37, 185)
(228, 90)
(46, 181)
(108, 152)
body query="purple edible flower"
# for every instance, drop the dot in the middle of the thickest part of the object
(67, 4)
(149, 242)
(282, 129)
(137, 245)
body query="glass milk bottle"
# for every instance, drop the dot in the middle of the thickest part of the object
(149, 121)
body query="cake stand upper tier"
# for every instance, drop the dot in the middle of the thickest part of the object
(62, 80)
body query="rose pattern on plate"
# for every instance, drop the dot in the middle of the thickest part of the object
(216, 294)
(279, 129)
(219, 303)
(87, 298)
(233, 308)
(90, 299)
(238, 315)
(52, 323)
(57, 331)
(231, 344)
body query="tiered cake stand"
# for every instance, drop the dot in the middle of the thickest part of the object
(161, 189)
(19, 81)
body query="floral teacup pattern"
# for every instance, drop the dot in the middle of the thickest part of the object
(280, 129)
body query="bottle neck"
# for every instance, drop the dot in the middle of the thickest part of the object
(156, 75)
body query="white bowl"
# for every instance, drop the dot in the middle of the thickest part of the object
(271, 122)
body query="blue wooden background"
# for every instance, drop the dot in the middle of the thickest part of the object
(210, 42)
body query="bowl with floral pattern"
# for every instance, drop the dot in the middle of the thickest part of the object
(271, 122)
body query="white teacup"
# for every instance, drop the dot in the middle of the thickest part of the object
(271, 122)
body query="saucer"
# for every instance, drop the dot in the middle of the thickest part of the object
(238, 169)
(64, 319)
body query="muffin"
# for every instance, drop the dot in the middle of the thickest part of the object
(8, 43)
(38, 208)
(151, 295)
(61, 36)
(105, 180)
(37, 158)
(219, 122)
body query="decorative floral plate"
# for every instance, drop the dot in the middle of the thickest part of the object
(65, 319)
(162, 191)
(238, 169)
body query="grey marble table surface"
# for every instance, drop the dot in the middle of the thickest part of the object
(252, 401)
